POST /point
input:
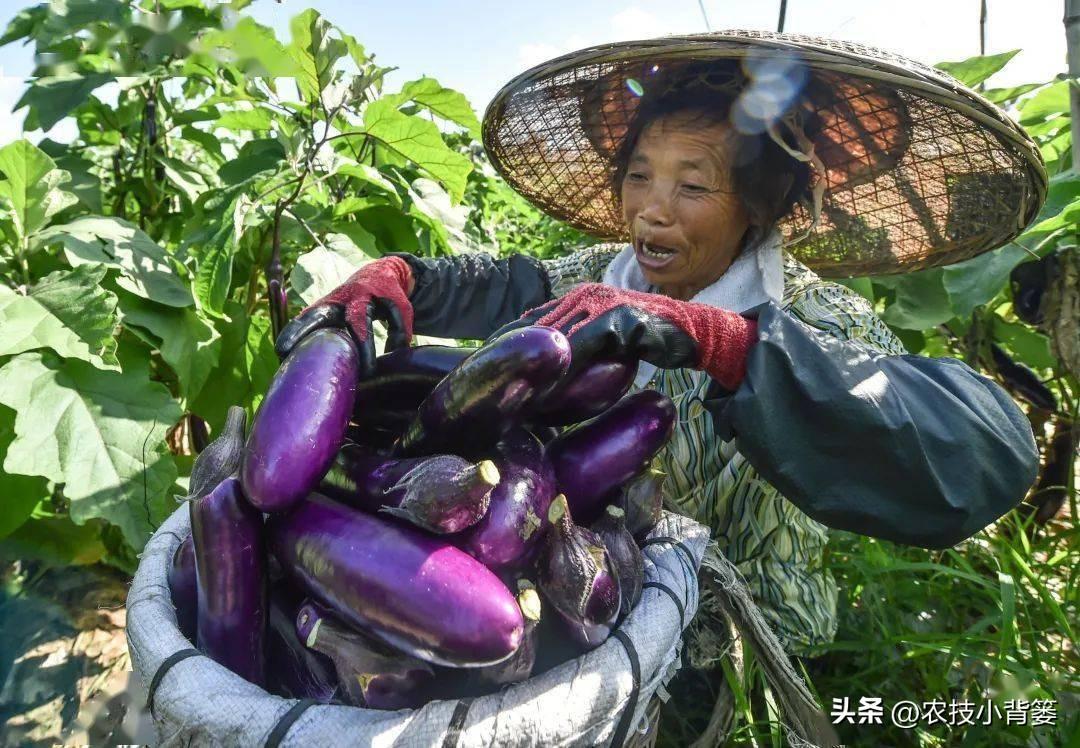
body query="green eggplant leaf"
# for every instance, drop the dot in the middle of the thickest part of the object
(145, 269)
(188, 342)
(419, 141)
(100, 433)
(31, 184)
(67, 311)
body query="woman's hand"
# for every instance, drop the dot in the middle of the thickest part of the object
(379, 290)
(601, 320)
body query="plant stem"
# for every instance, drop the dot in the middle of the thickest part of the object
(1072, 52)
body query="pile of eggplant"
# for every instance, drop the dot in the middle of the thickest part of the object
(461, 520)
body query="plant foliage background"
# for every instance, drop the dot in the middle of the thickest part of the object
(145, 266)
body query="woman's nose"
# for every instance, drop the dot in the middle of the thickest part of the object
(656, 208)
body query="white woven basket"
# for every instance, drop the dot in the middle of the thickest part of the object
(585, 701)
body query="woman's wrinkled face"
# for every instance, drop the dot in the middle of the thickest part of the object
(686, 223)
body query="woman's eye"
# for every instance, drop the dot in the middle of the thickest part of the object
(636, 176)
(697, 189)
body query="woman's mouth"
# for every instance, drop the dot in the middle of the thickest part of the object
(653, 256)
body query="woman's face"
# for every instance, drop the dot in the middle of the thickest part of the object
(685, 221)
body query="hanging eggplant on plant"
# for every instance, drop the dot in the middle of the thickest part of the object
(1022, 380)
(577, 578)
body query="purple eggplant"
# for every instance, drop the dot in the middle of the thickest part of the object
(624, 554)
(520, 665)
(577, 578)
(594, 458)
(230, 571)
(507, 539)
(488, 392)
(370, 675)
(183, 588)
(584, 394)
(221, 458)
(409, 590)
(293, 670)
(404, 377)
(456, 683)
(642, 500)
(301, 424)
(442, 493)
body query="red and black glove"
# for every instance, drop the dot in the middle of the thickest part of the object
(601, 320)
(379, 290)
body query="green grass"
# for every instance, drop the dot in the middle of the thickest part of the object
(990, 620)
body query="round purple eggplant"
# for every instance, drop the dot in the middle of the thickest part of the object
(624, 554)
(507, 539)
(584, 394)
(577, 578)
(370, 675)
(293, 670)
(411, 591)
(594, 458)
(230, 572)
(301, 423)
(183, 588)
(488, 392)
(441, 494)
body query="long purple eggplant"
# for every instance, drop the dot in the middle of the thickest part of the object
(584, 394)
(442, 493)
(593, 459)
(507, 539)
(456, 683)
(488, 392)
(577, 578)
(230, 569)
(293, 670)
(409, 590)
(183, 588)
(520, 665)
(370, 675)
(404, 377)
(301, 424)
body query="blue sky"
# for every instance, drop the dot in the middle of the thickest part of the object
(475, 46)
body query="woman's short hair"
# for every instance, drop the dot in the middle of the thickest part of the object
(767, 179)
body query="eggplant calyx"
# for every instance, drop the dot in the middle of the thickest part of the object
(559, 512)
(529, 602)
(489, 473)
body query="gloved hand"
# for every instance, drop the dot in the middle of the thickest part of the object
(601, 320)
(379, 290)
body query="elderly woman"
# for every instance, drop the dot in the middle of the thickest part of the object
(798, 409)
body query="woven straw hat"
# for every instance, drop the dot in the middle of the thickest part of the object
(910, 168)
